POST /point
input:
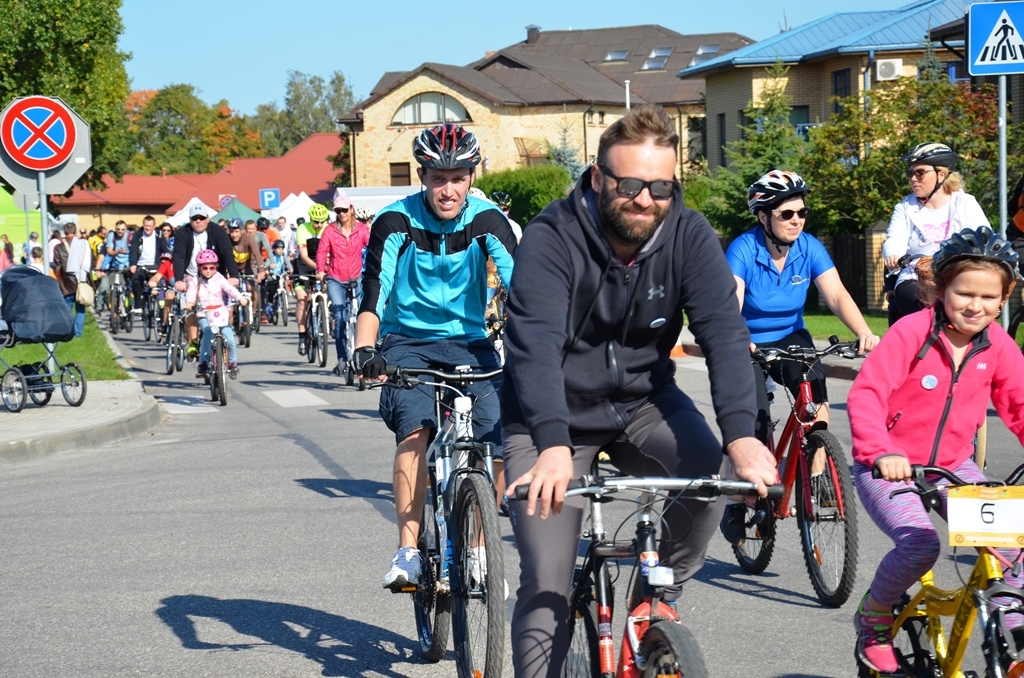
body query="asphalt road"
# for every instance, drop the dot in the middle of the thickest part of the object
(251, 539)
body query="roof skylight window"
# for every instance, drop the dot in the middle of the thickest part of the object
(617, 55)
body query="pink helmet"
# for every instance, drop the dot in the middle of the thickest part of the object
(206, 257)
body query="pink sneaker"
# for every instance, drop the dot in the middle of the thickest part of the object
(874, 639)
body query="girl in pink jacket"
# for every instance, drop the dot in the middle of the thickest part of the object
(210, 293)
(932, 376)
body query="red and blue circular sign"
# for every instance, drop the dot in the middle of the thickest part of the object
(38, 133)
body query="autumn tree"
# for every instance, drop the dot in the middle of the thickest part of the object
(69, 50)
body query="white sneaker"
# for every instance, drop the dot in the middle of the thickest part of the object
(405, 570)
(478, 567)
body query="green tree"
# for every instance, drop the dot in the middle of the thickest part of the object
(531, 188)
(172, 136)
(853, 161)
(311, 105)
(69, 50)
(768, 141)
(565, 155)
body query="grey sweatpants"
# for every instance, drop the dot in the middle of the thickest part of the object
(667, 436)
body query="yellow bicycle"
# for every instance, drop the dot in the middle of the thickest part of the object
(923, 649)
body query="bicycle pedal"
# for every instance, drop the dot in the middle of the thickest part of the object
(404, 589)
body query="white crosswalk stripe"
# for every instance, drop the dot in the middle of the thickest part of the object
(296, 397)
(185, 404)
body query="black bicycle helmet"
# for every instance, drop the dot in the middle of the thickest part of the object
(276, 244)
(263, 223)
(931, 153)
(773, 188)
(976, 243)
(501, 199)
(446, 147)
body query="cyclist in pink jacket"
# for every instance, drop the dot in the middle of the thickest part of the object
(210, 293)
(919, 398)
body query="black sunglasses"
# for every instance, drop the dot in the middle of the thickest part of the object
(919, 172)
(199, 218)
(628, 187)
(786, 215)
(341, 210)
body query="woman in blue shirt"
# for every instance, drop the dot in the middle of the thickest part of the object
(774, 265)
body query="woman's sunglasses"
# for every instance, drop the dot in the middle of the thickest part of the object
(786, 215)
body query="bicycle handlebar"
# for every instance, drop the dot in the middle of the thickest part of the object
(928, 492)
(595, 487)
(406, 377)
(845, 349)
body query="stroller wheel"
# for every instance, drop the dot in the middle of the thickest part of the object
(13, 390)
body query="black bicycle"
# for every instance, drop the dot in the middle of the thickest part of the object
(463, 574)
(654, 643)
(148, 305)
(120, 303)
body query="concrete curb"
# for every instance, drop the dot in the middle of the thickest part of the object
(139, 422)
(126, 411)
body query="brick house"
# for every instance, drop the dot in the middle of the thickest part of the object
(522, 98)
(842, 54)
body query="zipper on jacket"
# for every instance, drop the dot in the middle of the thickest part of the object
(892, 422)
(613, 362)
(949, 396)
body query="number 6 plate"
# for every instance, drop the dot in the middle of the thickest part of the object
(986, 516)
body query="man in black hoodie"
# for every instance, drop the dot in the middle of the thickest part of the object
(596, 304)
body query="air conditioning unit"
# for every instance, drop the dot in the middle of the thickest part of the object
(888, 69)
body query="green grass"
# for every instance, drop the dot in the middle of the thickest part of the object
(89, 351)
(822, 325)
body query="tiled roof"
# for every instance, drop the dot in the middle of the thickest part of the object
(303, 168)
(570, 67)
(845, 32)
(134, 189)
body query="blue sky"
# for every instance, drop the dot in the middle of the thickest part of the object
(242, 50)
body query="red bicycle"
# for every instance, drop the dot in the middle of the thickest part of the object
(810, 460)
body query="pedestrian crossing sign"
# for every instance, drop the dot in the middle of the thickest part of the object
(995, 45)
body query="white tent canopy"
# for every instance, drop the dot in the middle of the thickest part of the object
(292, 207)
(181, 217)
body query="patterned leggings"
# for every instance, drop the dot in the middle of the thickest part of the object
(904, 519)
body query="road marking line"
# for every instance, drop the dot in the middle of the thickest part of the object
(186, 404)
(297, 397)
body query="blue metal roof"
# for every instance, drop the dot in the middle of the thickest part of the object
(843, 33)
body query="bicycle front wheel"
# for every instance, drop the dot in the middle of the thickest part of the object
(173, 334)
(282, 305)
(432, 600)
(479, 596)
(669, 649)
(222, 370)
(322, 332)
(583, 660)
(754, 554)
(115, 312)
(182, 340)
(827, 514)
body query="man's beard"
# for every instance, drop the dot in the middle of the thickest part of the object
(621, 223)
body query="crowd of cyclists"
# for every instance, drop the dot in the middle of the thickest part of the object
(593, 294)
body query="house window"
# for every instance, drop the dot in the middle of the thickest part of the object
(840, 87)
(704, 53)
(600, 117)
(429, 108)
(721, 139)
(696, 137)
(401, 174)
(590, 117)
(800, 118)
(958, 72)
(616, 55)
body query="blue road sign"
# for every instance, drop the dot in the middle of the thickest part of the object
(270, 198)
(995, 45)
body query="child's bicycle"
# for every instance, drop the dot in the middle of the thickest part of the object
(277, 299)
(463, 575)
(824, 506)
(923, 649)
(217, 368)
(349, 368)
(655, 642)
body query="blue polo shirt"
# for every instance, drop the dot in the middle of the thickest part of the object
(773, 300)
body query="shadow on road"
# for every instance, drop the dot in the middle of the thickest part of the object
(343, 487)
(730, 577)
(342, 646)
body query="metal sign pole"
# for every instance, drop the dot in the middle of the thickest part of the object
(1002, 175)
(44, 223)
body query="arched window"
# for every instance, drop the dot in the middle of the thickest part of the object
(430, 107)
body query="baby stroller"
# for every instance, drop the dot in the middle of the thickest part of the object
(33, 311)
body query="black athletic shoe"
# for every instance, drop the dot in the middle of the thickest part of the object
(733, 524)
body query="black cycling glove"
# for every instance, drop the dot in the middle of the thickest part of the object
(369, 363)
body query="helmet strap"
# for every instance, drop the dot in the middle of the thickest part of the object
(770, 235)
(938, 185)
